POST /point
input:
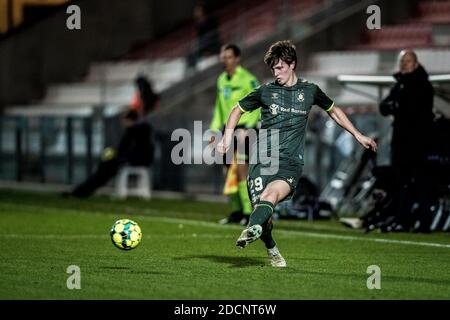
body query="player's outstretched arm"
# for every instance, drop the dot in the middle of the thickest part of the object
(341, 119)
(233, 120)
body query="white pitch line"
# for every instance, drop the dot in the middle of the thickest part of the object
(285, 232)
(106, 236)
(302, 233)
(351, 238)
(52, 236)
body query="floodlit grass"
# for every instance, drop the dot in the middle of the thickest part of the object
(185, 254)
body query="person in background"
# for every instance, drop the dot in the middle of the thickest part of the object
(145, 100)
(207, 40)
(410, 103)
(135, 149)
(234, 83)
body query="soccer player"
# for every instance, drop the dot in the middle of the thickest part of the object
(233, 84)
(285, 105)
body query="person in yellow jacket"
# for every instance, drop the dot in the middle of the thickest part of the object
(232, 85)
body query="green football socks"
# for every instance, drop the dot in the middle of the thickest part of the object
(263, 211)
(245, 200)
(266, 236)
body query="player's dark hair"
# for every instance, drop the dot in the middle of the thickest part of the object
(232, 46)
(281, 50)
(150, 99)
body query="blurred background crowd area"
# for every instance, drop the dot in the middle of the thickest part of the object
(62, 91)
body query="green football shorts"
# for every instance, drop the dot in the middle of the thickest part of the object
(257, 181)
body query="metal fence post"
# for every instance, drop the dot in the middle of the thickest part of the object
(88, 133)
(18, 150)
(69, 144)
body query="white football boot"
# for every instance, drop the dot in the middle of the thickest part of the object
(249, 235)
(276, 259)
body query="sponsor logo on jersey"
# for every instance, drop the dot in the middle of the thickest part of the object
(299, 111)
(274, 108)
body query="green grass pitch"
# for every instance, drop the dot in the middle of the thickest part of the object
(185, 254)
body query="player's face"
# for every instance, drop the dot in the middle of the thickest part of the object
(407, 63)
(229, 60)
(283, 72)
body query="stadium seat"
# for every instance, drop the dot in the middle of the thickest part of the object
(399, 36)
(344, 62)
(142, 187)
(434, 11)
(90, 93)
(301, 9)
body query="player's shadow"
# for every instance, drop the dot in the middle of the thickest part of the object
(132, 270)
(233, 262)
(115, 268)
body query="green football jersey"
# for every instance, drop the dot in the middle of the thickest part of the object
(286, 109)
(229, 91)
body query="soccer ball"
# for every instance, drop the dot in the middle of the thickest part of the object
(126, 234)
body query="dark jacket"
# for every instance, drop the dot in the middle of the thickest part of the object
(136, 147)
(410, 101)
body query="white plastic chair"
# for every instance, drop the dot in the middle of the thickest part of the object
(143, 186)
